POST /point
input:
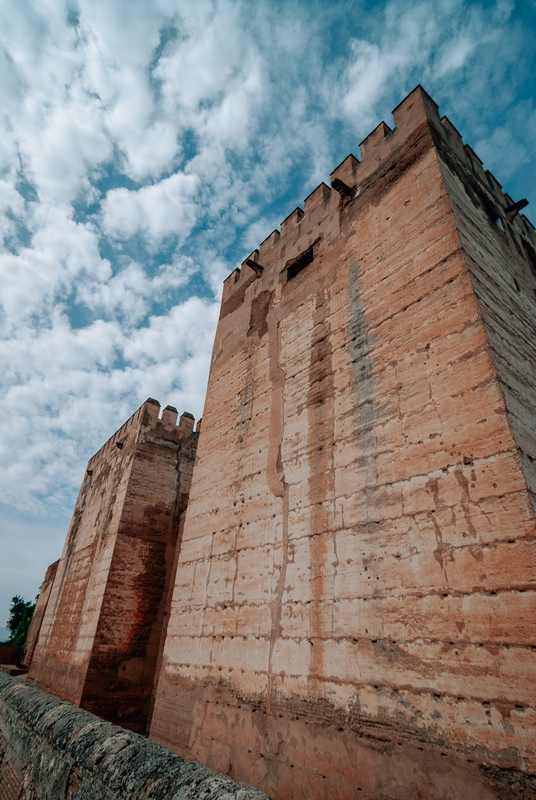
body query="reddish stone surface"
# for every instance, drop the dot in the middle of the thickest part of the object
(354, 606)
(39, 613)
(8, 654)
(100, 636)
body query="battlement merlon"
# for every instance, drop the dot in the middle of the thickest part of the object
(187, 422)
(146, 418)
(166, 423)
(128, 428)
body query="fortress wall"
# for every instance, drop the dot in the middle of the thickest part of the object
(51, 750)
(501, 257)
(121, 671)
(100, 639)
(62, 653)
(39, 613)
(353, 613)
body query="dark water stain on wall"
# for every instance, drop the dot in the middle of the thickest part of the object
(367, 410)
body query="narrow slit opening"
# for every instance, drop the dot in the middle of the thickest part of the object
(299, 265)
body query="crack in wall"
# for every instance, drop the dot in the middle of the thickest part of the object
(366, 410)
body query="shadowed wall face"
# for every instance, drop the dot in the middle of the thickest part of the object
(39, 613)
(99, 640)
(354, 601)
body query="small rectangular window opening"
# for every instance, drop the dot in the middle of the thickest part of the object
(494, 217)
(301, 262)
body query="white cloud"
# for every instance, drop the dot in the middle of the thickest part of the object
(68, 390)
(44, 272)
(131, 292)
(207, 59)
(177, 335)
(511, 147)
(157, 211)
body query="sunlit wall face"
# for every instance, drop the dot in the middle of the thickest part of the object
(142, 155)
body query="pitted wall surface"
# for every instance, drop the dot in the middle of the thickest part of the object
(100, 638)
(353, 613)
(500, 255)
(52, 750)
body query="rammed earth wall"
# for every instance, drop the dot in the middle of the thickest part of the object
(354, 612)
(99, 619)
(52, 750)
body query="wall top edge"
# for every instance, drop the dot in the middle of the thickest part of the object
(415, 112)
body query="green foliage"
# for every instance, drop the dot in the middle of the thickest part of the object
(20, 616)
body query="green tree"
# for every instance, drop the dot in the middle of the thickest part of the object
(20, 616)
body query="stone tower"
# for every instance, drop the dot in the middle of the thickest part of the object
(102, 612)
(354, 605)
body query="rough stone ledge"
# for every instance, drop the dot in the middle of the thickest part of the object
(52, 750)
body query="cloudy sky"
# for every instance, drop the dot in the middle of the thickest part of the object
(147, 146)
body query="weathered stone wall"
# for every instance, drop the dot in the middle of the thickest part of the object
(52, 750)
(501, 257)
(100, 637)
(353, 613)
(69, 626)
(39, 613)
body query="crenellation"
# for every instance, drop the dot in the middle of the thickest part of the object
(271, 241)
(125, 432)
(242, 278)
(187, 422)
(346, 171)
(252, 263)
(150, 413)
(486, 187)
(496, 188)
(229, 283)
(416, 106)
(369, 146)
(320, 194)
(377, 147)
(169, 416)
(293, 219)
(253, 256)
(486, 180)
(476, 162)
(454, 139)
(529, 227)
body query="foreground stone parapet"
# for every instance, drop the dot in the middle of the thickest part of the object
(52, 749)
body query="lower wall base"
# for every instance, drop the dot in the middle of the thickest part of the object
(288, 757)
(52, 750)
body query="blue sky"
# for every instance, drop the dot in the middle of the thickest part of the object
(146, 149)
